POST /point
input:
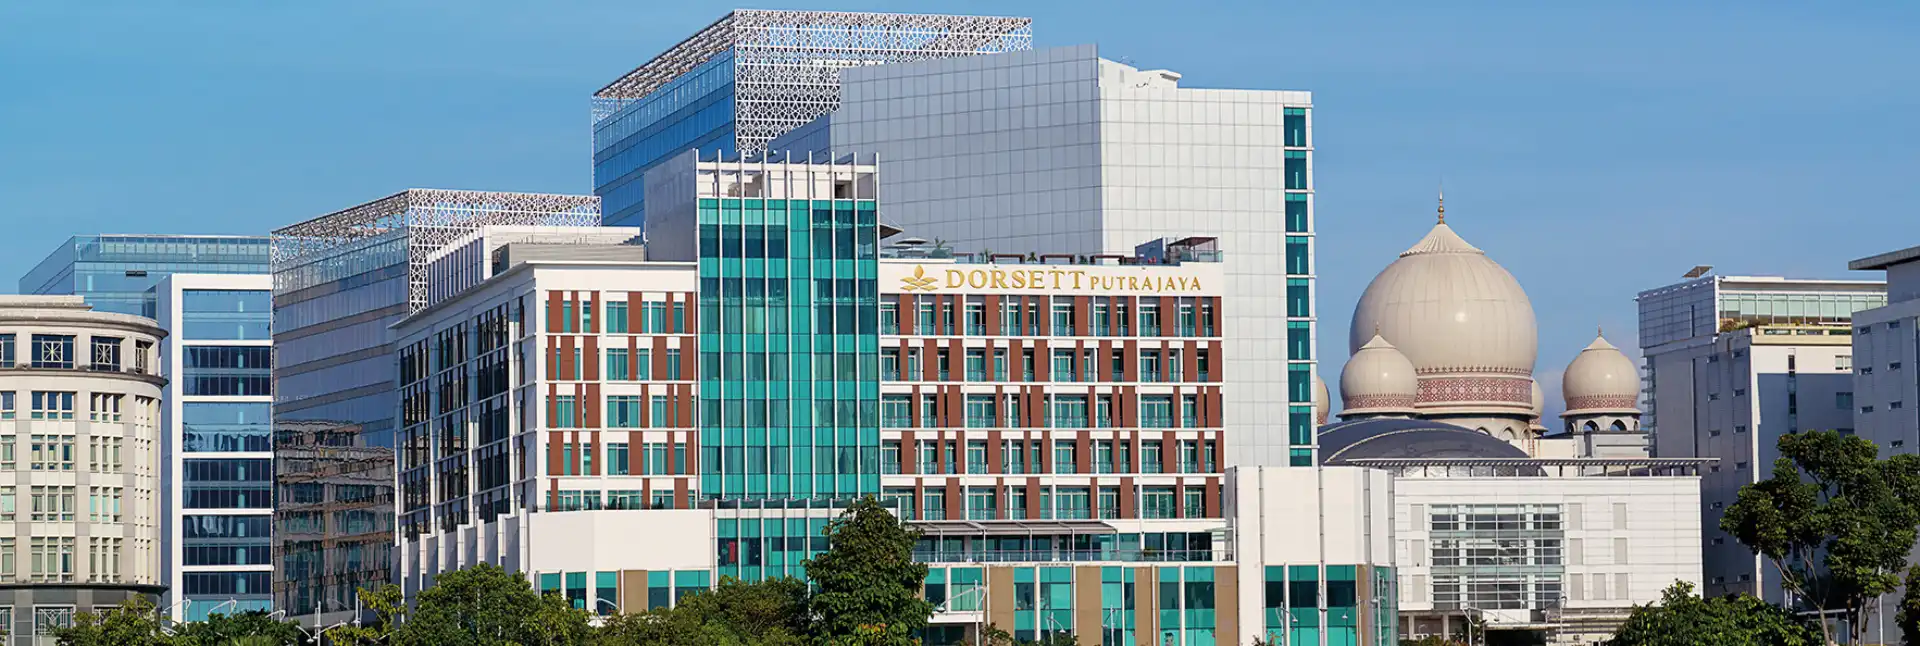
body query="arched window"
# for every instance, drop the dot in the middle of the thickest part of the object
(1619, 425)
(1590, 427)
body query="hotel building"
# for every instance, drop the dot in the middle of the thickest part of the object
(645, 421)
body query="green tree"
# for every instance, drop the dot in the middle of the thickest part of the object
(487, 605)
(1682, 619)
(248, 628)
(867, 583)
(766, 613)
(135, 624)
(1835, 520)
(1909, 615)
(388, 606)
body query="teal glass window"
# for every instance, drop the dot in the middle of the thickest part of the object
(1156, 411)
(687, 582)
(550, 582)
(1299, 340)
(980, 411)
(659, 589)
(1303, 603)
(606, 592)
(1296, 169)
(643, 364)
(1150, 457)
(1294, 122)
(566, 412)
(1297, 220)
(662, 414)
(623, 411)
(617, 317)
(618, 463)
(577, 589)
(1299, 383)
(1300, 457)
(617, 364)
(1298, 256)
(1300, 423)
(1297, 295)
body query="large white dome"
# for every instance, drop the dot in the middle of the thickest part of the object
(1378, 380)
(1451, 310)
(1601, 379)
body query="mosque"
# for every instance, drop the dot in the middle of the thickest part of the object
(1444, 334)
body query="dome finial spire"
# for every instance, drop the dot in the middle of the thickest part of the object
(1443, 202)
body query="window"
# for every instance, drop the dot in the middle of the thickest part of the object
(1150, 460)
(623, 411)
(617, 317)
(7, 404)
(1843, 400)
(618, 463)
(52, 405)
(103, 454)
(51, 504)
(105, 354)
(103, 504)
(6, 351)
(1065, 457)
(52, 452)
(565, 412)
(227, 371)
(1843, 362)
(617, 364)
(53, 351)
(8, 505)
(105, 408)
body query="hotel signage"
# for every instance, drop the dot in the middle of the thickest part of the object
(1081, 279)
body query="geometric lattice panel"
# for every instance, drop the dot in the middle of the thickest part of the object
(430, 219)
(787, 63)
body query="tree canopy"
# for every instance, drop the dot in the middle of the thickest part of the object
(1684, 619)
(1835, 520)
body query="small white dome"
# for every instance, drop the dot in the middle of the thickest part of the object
(1322, 401)
(1450, 309)
(1601, 378)
(1378, 379)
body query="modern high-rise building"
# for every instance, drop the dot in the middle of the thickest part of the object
(227, 369)
(1731, 364)
(653, 420)
(218, 467)
(339, 282)
(80, 458)
(1061, 151)
(117, 272)
(1885, 393)
(754, 75)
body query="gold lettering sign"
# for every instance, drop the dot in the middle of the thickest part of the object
(982, 278)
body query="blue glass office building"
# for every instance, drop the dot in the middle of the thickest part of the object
(754, 75)
(339, 282)
(218, 349)
(117, 272)
(219, 463)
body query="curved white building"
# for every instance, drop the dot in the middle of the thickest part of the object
(79, 460)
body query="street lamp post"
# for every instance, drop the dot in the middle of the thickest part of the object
(609, 604)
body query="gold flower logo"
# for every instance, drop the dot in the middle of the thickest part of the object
(918, 281)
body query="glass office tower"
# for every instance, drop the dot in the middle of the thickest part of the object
(754, 75)
(217, 470)
(788, 315)
(339, 282)
(117, 272)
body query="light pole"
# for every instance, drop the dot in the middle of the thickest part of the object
(231, 603)
(317, 637)
(610, 604)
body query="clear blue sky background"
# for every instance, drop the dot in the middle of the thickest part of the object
(1595, 150)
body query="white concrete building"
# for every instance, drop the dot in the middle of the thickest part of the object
(79, 461)
(218, 458)
(1563, 547)
(1061, 151)
(1733, 363)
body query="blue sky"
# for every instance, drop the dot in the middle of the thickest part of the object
(1595, 150)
